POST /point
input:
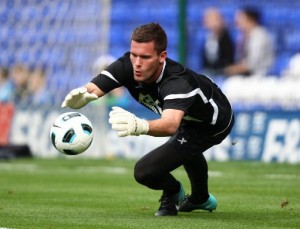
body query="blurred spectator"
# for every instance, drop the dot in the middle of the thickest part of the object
(19, 77)
(7, 150)
(255, 51)
(6, 87)
(119, 96)
(218, 50)
(38, 95)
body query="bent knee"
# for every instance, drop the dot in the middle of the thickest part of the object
(141, 174)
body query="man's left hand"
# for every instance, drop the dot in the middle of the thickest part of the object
(127, 123)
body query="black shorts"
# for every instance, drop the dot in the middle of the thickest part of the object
(197, 138)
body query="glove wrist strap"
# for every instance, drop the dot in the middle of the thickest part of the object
(145, 126)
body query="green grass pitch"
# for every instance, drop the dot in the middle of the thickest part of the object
(85, 193)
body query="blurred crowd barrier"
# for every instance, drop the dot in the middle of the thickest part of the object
(269, 135)
(29, 126)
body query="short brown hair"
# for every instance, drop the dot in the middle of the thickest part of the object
(252, 13)
(151, 32)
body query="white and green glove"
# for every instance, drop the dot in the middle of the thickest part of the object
(127, 123)
(78, 98)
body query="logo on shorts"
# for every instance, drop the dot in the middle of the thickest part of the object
(182, 140)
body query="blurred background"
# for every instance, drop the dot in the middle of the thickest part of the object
(48, 48)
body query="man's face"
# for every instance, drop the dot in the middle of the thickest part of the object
(241, 20)
(147, 64)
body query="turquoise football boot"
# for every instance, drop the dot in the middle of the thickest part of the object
(188, 206)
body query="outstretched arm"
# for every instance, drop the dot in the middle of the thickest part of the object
(127, 123)
(93, 89)
(167, 125)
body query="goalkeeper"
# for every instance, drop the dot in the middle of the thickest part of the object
(194, 112)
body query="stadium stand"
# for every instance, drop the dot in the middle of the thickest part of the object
(67, 36)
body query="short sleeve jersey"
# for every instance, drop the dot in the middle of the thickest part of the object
(177, 88)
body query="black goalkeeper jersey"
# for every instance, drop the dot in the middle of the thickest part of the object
(178, 88)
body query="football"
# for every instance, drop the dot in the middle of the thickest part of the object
(71, 133)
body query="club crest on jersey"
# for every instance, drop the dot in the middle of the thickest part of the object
(149, 102)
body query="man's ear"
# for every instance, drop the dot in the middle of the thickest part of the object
(162, 56)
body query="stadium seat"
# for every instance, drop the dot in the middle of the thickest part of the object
(281, 62)
(291, 41)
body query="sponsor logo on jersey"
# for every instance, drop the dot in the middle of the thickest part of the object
(149, 102)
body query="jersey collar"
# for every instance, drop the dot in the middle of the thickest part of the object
(162, 73)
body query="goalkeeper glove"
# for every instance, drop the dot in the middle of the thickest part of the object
(78, 98)
(127, 123)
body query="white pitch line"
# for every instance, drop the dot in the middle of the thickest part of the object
(282, 176)
(215, 173)
(101, 169)
(18, 167)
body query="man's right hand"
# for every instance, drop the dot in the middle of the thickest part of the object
(78, 98)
